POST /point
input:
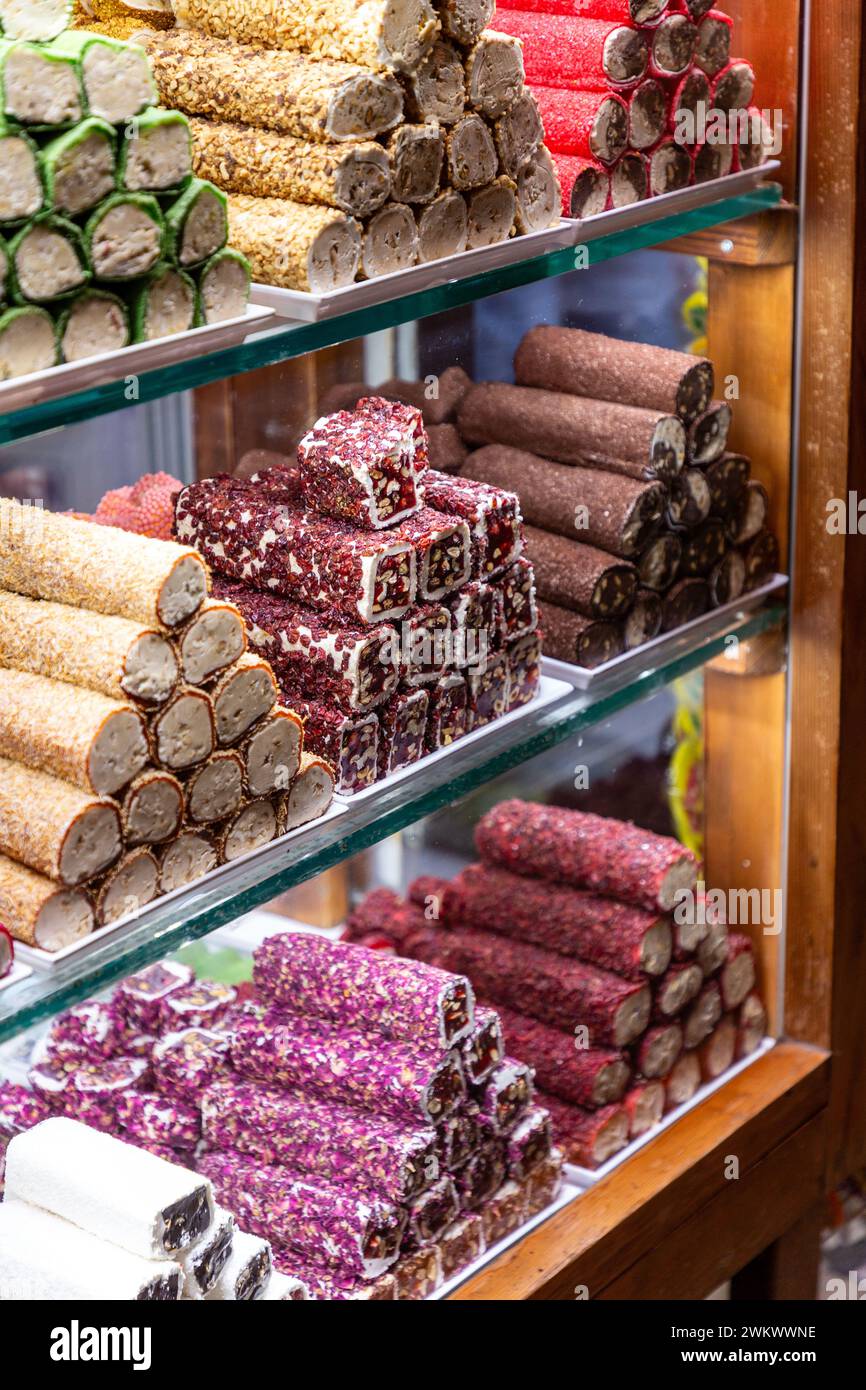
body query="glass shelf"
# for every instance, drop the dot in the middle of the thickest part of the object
(238, 889)
(288, 340)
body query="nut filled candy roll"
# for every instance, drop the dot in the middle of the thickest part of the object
(416, 153)
(272, 751)
(504, 1097)
(584, 183)
(591, 1077)
(593, 125)
(403, 721)
(564, 51)
(38, 911)
(115, 76)
(672, 46)
(309, 796)
(583, 641)
(24, 19)
(627, 11)
(492, 514)
(579, 576)
(124, 1195)
(482, 1049)
(295, 245)
(714, 42)
(463, 20)
(436, 89)
(55, 828)
(358, 989)
(312, 99)
(41, 85)
(443, 549)
(587, 1137)
(23, 193)
(494, 73)
(447, 712)
(408, 1083)
(213, 639)
(539, 195)
(604, 855)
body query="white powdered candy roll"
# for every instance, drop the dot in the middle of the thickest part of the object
(122, 1194)
(247, 1271)
(203, 1262)
(285, 1288)
(44, 1258)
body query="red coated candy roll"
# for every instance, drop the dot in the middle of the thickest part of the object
(680, 984)
(384, 911)
(606, 856)
(630, 180)
(591, 1077)
(587, 1137)
(685, 94)
(583, 54)
(754, 143)
(714, 42)
(734, 86)
(625, 11)
(711, 162)
(670, 167)
(593, 125)
(644, 1104)
(702, 1015)
(585, 185)
(658, 1049)
(647, 114)
(672, 46)
(7, 952)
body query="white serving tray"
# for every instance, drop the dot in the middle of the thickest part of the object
(549, 690)
(50, 960)
(105, 367)
(660, 649)
(650, 210)
(19, 970)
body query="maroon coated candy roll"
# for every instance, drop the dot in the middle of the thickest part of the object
(727, 477)
(153, 1119)
(713, 51)
(680, 984)
(488, 690)
(685, 95)
(607, 856)
(20, 1109)
(612, 369)
(670, 166)
(361, 465)
(749, 516)
(672, 46)
(523, 655)
(755, 143)
(579, 576)
(583, 54)
(492, 515)
(445, 449)
(658, 1049)
(403, 721)
(587, 1137)
(712, 952)
(615, 513)
(702, 1015)
(686, 600)
(349, 742)
(630, 179)
(737, 975)
(630, 941)
(585, 185)
(198, 1005)
(717, 1053)
(427, 890)
(590, 1077)
(447, 712)
(582, 641)
(644, 1104)
(761, 557)
(695, 8)
(575, 429)
(734, 86)
(683, 1080)
(593, 125)
(644, 620)
(658, 563)
(751, 1026)
(383, 910)
(443, 552)
(727, 579)
(708, 434)
(647, 114)
(703, 548)
(711, 162)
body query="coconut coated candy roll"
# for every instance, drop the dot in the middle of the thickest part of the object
(606, 856)
(338, 1143)
(587, 1137)
(591, 1077)
(150, 1207)
(356, 988)
(592, 125)
(55, 828)
(360, 465)
(564, 51)
(38, 911)
(578, 576)
(411, 1084)
(582, 641)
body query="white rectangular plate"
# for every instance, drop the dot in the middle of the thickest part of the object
(549, 690)
(665, 646)
(698, 195)
(24, 391)
(50, 960)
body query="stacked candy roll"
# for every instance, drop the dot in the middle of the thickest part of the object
(351, 148)
(640, 516)
(607, 981)
(625, 89)
(140, 742)
(392, 600)
(109, 239)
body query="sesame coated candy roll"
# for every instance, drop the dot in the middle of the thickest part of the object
(381, 35)
(568, 636)
(539, 194)
(271, 752)
(494, 73)
(126, 1196)
(565, 51)
(587, 1137)
(312, 99)
(295, 245)
(323, 1138)
(606, 856)
(518, 134)
(39, 912)
(593, 125)
(93, 742)
(640, 443)
(416, 153)
(267, 163)
(358, 989)
(404, 1081)
(182, 732)
(55, 828)
(186, 858)
(442, 227)
(46, 555)
(254, 825)
(128, 886)
(579, 576)
(213, 639)
(310, 794)
(245, 693)
(611, 369)
(591, 1077)
(47, 1258)
(121, 659)
(361, 465)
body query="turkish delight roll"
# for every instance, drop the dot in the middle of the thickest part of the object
(23, 193)
(484, 1173)
(528, 1144)
(638, 442)
(489, 690)
(482, 1049)
(477, 620)
(583, 641)
(20, 1109)
(326, 1225)
(644, 620)
(243, 694)
(50, 556)
(630, 179)
(152, 808)
(686, 600)
(360, 465)
(564, 51)
(426, 637)
(737, 975)
(462, 1243)
(156, 1119)
(631, 941)
(271, 753)
(516, 590)
(55, 828)
(659, 562)
(503, 1212)
(523, 655)
(703, 549)
(644, 1104)
(203, 1262)
(200, 1004)
(246, 1272)
(7, 952)
(658, 1049)
(518, 134)
(713, 50)
(590, 1077)
(447, 712)
(126, 1196)
(78, 167)
(127, 886)
(436, 89)
(211, 641)
(432, 1212)
(636, 374)
(593, 125)
(688, 92)
(553, 988)
(254, 825)
(139, 998)
(38, 911)
(41, 86)
(295, 245)
(309, 795)
(672, 46)
(95, 1089)
(47, 1258)
(356, 988)
(751, 1027)
(669, 166)
(504, 1097)
(403, 720)
(683, 1080)
(415, 153)
(443, 550)
(89, 1031)
(223, 289)
(470, 153)
(214, 789)
(712, 951)
(680, 984)
(492, 514)
(760, 559)
(442, 231)
(588, 1137)
(349, 742)
(186, 858)
(580, 577)
(288, 1288)
(702, 1015)
(539, 195)
(749, 515)
(717, 1053)
(182, 731)
(647, 114)
(464, 20)
(584, 184)
(491, 213)
(404, 1081)
(734, 86)
(390, 241)
(708, 433)
(688, 499)
(186, 1063)
(494, 73)
(607, 856)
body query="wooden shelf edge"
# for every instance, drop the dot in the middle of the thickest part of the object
(613, 1226)
(766, 238)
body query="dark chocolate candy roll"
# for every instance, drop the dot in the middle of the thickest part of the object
(607, 510)
(644, 620)
(611, 369)
(727, 579)
(698, 8)
(734, 86)
(575, 429)
(726, 479)
(708, 435)
(580, 576)
(629, 180)
(750, 515)
(436, 397)
(672, 46)
(570, 637)
(687, 600)
(714, 42)
(659, 562)
(647, 114)
(670, 167)
(762, 559)
(703, 549)
(689, 498)
(446, 452)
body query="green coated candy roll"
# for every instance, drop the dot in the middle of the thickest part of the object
(78, 166)
(124, 236)
(115, 76)
(27, 342)
(223, 287)
(21, 191)
(197, 224)
(163, 304)
(48, 260)
(34, 19)
(156, 154)
(40, 86)
(96, 321)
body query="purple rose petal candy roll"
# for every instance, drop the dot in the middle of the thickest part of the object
(154, 1119)
(529, 1143)
(20, 1109)
(357, 988)
(196, 1005)
(345, 1146)
(97, 1088)
(328, 1226)
(458, 1137)
(90, 1031)
(432, 1213)
(407, 1083)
